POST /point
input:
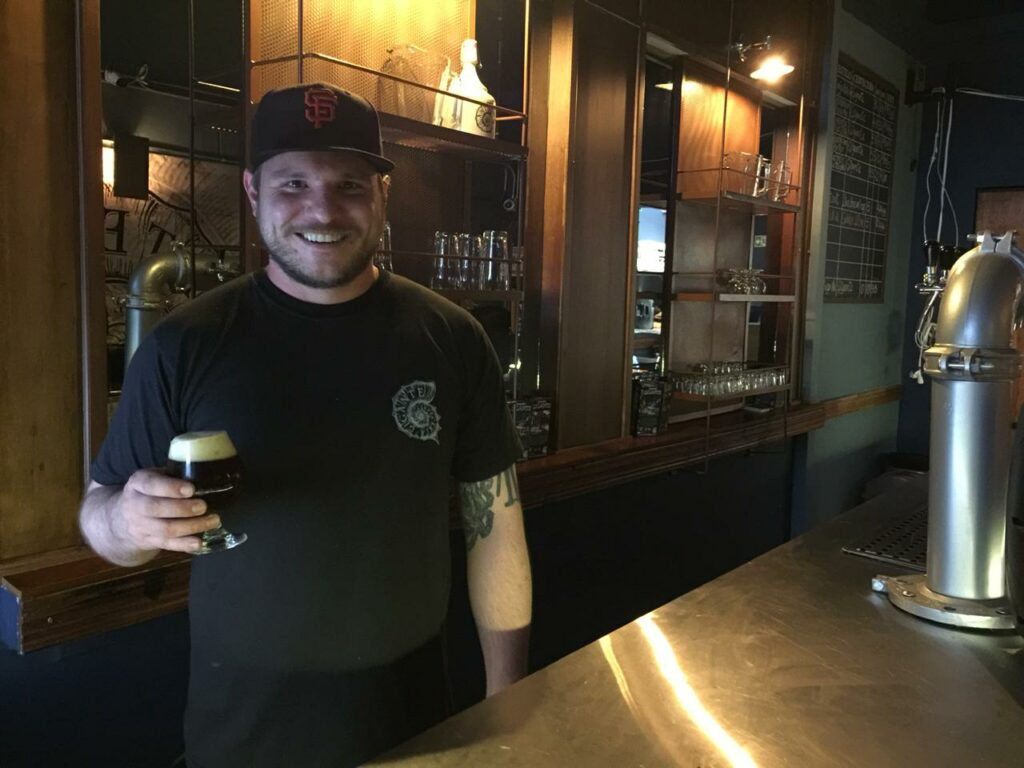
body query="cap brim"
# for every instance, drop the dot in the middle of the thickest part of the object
(381, 163)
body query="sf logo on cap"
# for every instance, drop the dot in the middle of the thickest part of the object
(320, 106)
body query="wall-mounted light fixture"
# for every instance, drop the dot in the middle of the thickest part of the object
(770, 68)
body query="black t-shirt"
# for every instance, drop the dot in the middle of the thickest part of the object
(349, 420)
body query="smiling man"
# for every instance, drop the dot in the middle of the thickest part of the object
(320, 215)
(352, 397)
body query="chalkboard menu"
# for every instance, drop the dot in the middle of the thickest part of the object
(863, 145)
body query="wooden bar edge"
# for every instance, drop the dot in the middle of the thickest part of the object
(86, 596)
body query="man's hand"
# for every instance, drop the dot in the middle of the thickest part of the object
(128, 525)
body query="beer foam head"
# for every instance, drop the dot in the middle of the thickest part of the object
(201, 446)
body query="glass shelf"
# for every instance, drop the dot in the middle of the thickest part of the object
(646, 339)
(736, 298)
(414, 134)
(479, 294)
(762, 275)
(745, 203)
(731, 396)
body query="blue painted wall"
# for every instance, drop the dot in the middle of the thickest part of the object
(853, 347)
(986, 150)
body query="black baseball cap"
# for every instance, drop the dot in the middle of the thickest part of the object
(315, 117)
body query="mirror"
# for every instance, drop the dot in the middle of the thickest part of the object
(172, 158)
(655, 178)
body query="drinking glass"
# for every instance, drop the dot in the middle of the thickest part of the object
(494, 268)
(209, 461)
(763, 174)
(467, 249)
(780, 177)
(445, 268)
(743, 167)
(383, 256)
(758, 285)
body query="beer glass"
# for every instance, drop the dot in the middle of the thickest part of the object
(763, 176)
(781, 177)
(494, 268)
(445, 266)
(209, 461)
(743, 169)
(468, 251)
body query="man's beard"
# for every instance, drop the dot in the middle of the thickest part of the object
(349, 270)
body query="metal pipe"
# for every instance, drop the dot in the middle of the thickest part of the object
(973, 367)
(151, 283)
(970, 459)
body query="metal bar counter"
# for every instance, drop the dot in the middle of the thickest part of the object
(789, 660)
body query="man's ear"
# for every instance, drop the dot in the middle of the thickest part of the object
(385, 186)
(250, 182)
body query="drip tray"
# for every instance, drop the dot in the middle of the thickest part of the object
(900, 542)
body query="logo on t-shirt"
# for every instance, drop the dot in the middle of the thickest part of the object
(414, 411)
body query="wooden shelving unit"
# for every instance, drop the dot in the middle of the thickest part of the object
(714, 228)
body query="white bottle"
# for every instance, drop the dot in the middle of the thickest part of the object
(465, 115)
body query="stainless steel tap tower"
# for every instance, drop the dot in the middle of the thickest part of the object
(973, 367)
(151, 282)
(158, 276)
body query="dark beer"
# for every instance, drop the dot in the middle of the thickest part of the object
(209, 461)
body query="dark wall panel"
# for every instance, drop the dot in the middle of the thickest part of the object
(593, 361)
(112, 700)
(986, 151)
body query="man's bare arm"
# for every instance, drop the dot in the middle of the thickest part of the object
(498, 573)
(127, 525)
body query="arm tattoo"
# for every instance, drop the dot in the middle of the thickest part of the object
(510, 482)
(477, 503)
(477, 515)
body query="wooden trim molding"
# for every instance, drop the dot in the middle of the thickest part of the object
(85, 596)
(71, 593)
(576, 471)
(90, 222)
(842, 406)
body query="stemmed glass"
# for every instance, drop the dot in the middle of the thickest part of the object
(210, 462)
